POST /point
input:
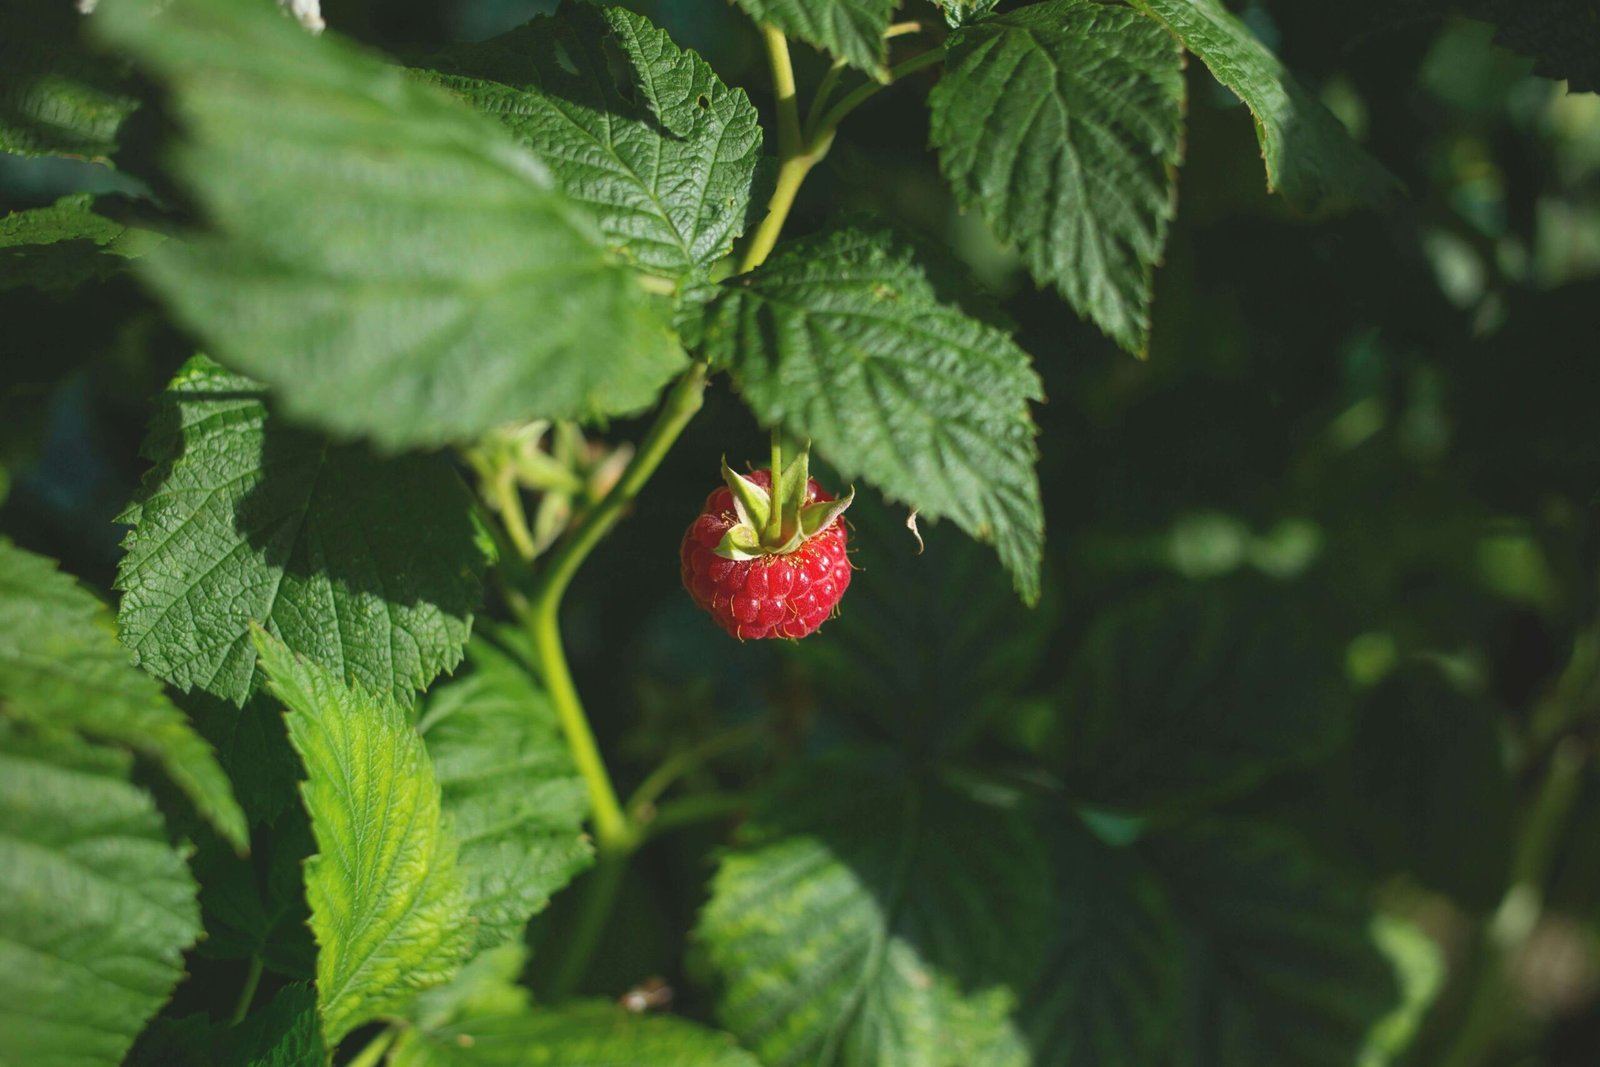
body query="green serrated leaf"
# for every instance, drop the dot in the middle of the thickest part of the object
(872, 918)
(1288, 964)
(65, 245)
(253, 749)
(1062, 123)
(284, 1034)
(1310, 158)
(890, 652)
(655, 145)
(578, 1032)
(389, 905)
(487, 985)
(514, 797)
(61, 667)
(1192, 692)
(189, 1041)
(57, 97)
(1108, 990)
(842, 338)
(96, 909)
(961, 12)
(369, 566)
(849, 29)
(391, 264)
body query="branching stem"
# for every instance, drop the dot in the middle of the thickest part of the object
(801, 149)
(783, 88)
(541, 616)
(825, 87)
(829, 123)
(686, 762)
(617, 831)
(700, 808)
(795, 162)
(791, 174)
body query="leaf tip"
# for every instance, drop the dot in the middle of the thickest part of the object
(273, 657)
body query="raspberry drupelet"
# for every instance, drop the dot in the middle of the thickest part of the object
(772, 592)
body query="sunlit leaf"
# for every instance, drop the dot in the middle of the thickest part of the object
(388, 901)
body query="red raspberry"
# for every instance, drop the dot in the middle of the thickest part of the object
(786, 595)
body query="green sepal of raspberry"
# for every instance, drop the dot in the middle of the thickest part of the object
(777, 521)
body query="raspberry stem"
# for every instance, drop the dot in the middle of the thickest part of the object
(611, 828)
(802, 147)
(796, 158)
(824, 90)
(541, 615)
(600, 896)
(823, 132)
(641, 805)
(699, 808)
(508, 498)
(774, 531)
(252, 980)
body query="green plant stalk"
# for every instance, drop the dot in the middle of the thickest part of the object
(690, 759)
(795, 158)
(819, 99)
(700, 808)
(616, 833)
(252, 979)
(824, 131)
(783, 88)
(1572, 699)
(1575, 697)
(1514, 920)
(791, 174)
(598, 900)
(774, 528)
(800, 150)
(542, 614)
(373, 1052)
(611, 828)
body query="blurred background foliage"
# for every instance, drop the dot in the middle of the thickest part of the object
(1336, 539)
